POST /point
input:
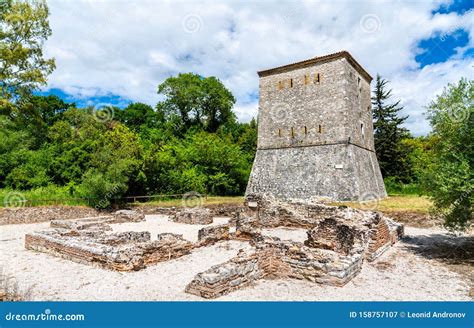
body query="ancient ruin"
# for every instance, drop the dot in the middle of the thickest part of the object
(315, 133)
(338, 240)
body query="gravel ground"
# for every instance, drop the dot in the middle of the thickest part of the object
(399, 274)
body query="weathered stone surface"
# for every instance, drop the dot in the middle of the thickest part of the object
(315, 137)
(212, 234)
(196, 215)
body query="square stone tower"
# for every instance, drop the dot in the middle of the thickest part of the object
(315, 133)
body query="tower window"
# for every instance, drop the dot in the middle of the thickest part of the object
(362, 130)
(291, 83)
(320, 129)
(292, 132)
(280, 85)
(305, 130)
(279, 132)
(317, 78)
(306, 79)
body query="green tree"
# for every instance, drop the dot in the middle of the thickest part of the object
(24, 28)
(193, 100)
(389, 133)
(450, 179)
(138, 115)
(115, 165)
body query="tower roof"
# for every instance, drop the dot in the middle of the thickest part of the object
(318, 60)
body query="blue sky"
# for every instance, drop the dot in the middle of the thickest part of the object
(117, 52)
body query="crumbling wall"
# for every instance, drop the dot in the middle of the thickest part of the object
(224, 278)
(274, 258)
(212, 234)
(334, 235)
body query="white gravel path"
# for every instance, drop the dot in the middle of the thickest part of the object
(398, 275)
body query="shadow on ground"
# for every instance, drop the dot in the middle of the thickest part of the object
(455, 252)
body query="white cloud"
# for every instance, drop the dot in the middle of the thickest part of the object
(129, 47)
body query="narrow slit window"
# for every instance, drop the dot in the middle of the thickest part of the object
(292, 132)
(291, 83)
(305, 131)
(279, 132)
(362, 130)
(317, 78)
(320, 129)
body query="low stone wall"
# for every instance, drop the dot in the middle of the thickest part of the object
(193, 216)
(99, 222)
(126, 251)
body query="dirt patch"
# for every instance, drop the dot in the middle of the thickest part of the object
(414, 219)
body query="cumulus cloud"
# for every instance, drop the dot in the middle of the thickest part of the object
(127, 48)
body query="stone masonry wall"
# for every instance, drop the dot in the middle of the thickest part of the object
(315, 135)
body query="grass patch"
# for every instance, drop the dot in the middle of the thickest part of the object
(54, 195)
(209, 200)
(395, 203)
(50, 195)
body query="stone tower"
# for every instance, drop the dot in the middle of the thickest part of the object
(315, 133)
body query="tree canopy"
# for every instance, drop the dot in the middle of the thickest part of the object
(450, 178)
(24, 27)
